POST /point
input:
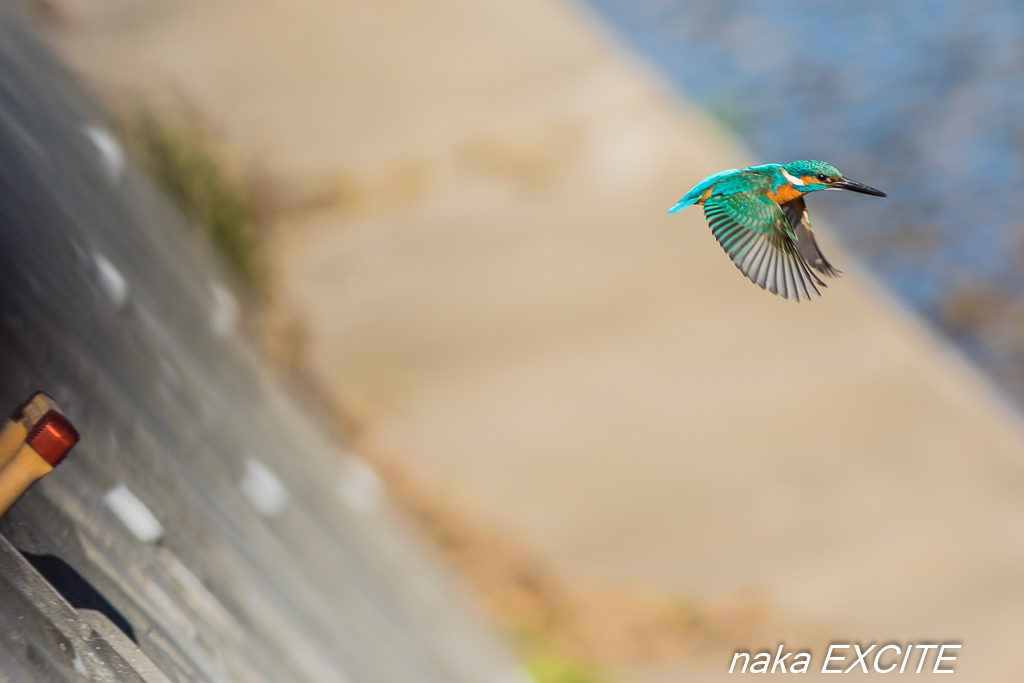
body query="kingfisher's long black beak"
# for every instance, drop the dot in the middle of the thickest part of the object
(854, 186)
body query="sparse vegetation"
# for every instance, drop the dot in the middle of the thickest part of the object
(555, 670)
(186, 164)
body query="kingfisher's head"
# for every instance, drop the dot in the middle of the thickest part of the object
(810, 176)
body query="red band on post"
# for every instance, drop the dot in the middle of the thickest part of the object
(53, 437)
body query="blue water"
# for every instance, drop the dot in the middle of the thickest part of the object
(922, 98)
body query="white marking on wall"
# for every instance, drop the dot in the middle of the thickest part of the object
(793, 180)
(79, 664)
(359, 486)
(111, 281)
(263, 489)
(133, 513)
(111, 155)
(224, 314)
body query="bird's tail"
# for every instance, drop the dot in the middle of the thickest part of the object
(693, 196)
(686, 201)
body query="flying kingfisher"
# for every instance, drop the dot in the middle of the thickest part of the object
(758, 216)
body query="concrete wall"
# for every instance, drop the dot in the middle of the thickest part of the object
(274, 556)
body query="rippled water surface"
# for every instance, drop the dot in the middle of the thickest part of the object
(923, 99)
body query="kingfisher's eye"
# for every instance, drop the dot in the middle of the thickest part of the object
(822, 176)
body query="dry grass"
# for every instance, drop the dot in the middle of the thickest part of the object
(230, 205)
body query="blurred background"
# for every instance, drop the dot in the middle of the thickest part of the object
(922, 97)
(450, 218)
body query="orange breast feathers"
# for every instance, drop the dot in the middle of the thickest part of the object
(785, 193)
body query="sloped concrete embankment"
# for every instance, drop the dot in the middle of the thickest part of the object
(197, 532)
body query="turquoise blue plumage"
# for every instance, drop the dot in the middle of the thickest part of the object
(759, 217)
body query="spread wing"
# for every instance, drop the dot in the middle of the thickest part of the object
(796, 213)
(758, 238)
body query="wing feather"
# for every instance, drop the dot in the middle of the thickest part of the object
(807, 281)
(771, 281)
(761, 266)
(773, 278)
(796, 213)
(794, 293)
(762, 242)
(787, 280)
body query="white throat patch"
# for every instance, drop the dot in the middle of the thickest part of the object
(793, 180)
